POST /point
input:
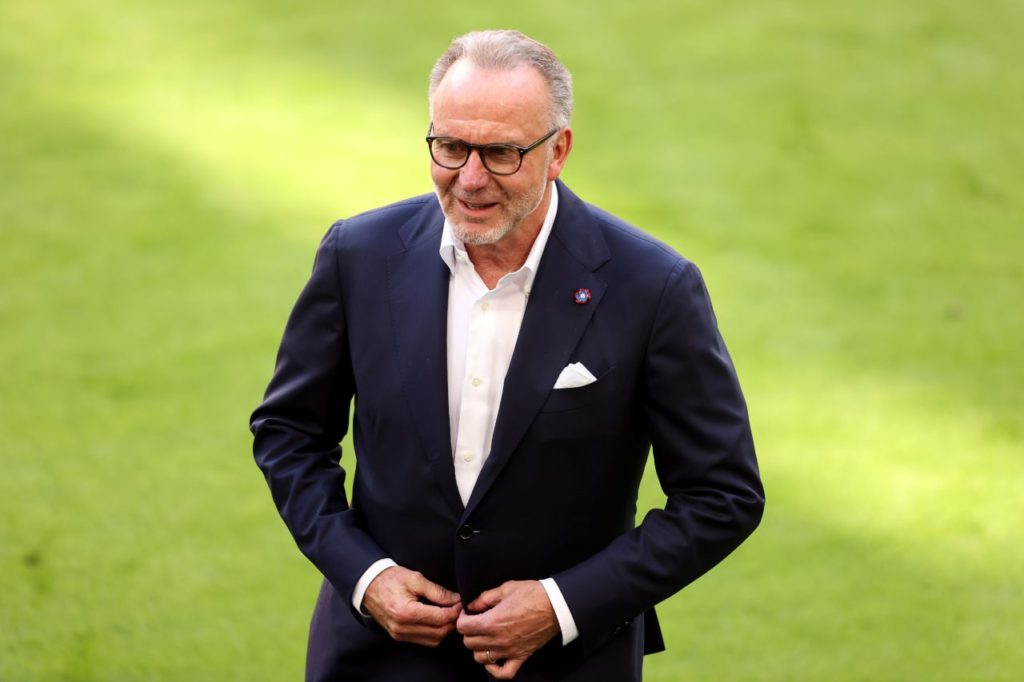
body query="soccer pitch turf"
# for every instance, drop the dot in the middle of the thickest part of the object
(843, 174)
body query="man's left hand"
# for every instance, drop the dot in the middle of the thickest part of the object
(511, 622)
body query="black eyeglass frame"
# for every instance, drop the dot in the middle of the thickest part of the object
(481, 148)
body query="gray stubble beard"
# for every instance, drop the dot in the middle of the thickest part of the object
(502, 229)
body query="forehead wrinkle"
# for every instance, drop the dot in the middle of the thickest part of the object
(485, 105)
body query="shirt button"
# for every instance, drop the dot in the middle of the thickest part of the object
(476, 381)
(485, 305)
(468, 457)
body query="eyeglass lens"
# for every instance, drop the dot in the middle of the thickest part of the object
(497, 158)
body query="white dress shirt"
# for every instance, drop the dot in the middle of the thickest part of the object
(483, 325)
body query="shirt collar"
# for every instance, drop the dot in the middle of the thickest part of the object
(452, 247)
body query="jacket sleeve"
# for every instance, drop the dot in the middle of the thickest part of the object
(298, 427)
(704, 457)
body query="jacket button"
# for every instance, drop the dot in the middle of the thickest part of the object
(467, 531)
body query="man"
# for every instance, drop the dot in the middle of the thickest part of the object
(513, 354)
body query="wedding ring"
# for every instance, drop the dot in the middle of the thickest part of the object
(490, 659)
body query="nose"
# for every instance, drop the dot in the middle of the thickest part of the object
(473, 175)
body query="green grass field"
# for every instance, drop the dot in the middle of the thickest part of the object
(847, 175)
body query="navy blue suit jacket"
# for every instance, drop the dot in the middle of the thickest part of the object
(557, 495)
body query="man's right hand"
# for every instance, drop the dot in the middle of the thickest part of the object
(410, 607)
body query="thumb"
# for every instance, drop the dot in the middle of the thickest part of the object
(436, 594)
(486, 600)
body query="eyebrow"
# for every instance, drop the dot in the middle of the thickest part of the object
(432, 132)
(475, 144)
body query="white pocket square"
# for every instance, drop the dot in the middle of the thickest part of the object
(574, 376)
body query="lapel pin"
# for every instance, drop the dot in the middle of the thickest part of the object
(581, 296)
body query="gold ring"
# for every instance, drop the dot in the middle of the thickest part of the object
(490, 659)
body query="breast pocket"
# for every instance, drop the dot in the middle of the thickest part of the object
(565, 399)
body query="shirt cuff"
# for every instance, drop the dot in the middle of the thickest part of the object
(562, 613)
(375, 569)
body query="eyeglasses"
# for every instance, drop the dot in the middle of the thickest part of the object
(499, 159)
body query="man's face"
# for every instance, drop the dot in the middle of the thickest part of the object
(482, 106)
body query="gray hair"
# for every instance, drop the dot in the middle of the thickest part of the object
(504, 50)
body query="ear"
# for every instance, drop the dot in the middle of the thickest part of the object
(563, 145)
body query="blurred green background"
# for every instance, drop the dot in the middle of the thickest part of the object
(847, 175)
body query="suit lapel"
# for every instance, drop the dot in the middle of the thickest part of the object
(418, 298)
(552, 326)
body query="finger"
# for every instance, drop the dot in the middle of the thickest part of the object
(486, 600)
(465, 624)
(425, 614)
(450, 613)
(489, 657)
(434, 592)
(481, 643)
(506, 671)
(420, 634)
(468, 624)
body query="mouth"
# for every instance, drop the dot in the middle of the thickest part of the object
(474, 208)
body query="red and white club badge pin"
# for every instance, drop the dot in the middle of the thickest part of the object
(581, 296)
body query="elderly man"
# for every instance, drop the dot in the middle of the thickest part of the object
(514, 354)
